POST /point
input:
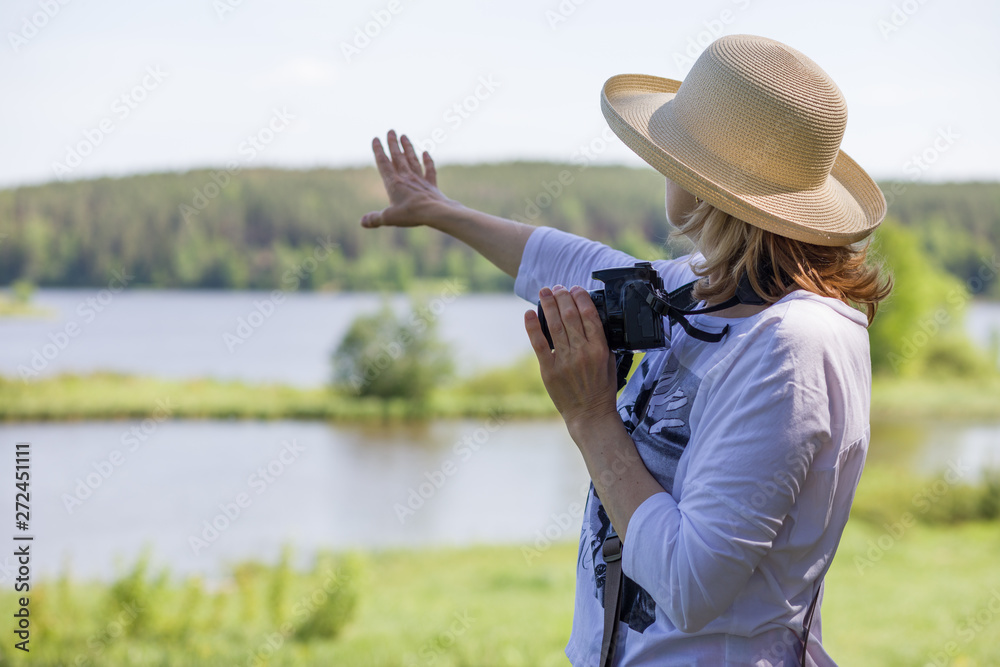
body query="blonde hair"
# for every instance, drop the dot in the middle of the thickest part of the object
(776, 264)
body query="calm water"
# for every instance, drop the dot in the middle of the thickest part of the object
(177, 334)
(312, 484)
(319, 485)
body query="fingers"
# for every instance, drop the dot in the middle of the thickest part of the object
(411, 156)
(430, 170)
(537, 339)
(570, 314)
(398, 159)
(592, 327)
(372, 220)
(560, 341)
(382, 161)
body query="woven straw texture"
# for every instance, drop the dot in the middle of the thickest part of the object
(755, 130)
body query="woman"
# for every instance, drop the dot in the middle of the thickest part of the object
(724, 473)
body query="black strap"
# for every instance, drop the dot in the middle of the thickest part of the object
(623, 364)
(612, 596)
(807, 624)
(667, 308)
(679, 304)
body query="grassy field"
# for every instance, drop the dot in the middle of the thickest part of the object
(109, 396)
(932, 596)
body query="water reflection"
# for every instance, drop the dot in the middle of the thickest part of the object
(204, 493)
(339, 486)
(928, 448)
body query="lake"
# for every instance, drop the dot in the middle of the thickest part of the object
(182, 334)
(97, 496)
(202, 494)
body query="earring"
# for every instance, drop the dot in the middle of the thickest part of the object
(697, 200)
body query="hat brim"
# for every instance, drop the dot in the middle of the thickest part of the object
(846, 208)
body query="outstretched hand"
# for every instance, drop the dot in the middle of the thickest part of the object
(579, 372)
(414, 198)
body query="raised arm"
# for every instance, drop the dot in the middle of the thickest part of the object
(414, 200)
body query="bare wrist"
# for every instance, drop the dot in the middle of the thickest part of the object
(597, 423)
(450, 212)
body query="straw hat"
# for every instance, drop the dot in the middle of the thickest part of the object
(754, 130)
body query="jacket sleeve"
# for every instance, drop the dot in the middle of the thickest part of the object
(760, 425)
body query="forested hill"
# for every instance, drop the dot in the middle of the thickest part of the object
(300, 229)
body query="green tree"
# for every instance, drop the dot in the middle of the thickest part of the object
(386, 356)
(919, 328)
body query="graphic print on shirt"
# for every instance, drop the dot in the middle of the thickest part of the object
(658, 419)
(629, 405)
(666, 428)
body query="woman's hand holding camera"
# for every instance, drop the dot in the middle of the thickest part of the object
(579, 372)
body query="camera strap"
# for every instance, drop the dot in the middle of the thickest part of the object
(677, 305)
(623, 364)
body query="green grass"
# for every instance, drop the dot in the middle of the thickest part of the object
(515, 391)
(486, 606)
(110, 396)
(916, 597)
(18, 308)
(905, 399)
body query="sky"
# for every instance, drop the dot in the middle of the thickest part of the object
(110, 88)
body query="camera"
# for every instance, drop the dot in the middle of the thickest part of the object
(628, 318)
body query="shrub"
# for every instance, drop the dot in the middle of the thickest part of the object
(521, 378)
(331, 599)
(388, 357)
(139, 596)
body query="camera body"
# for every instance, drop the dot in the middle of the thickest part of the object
(629, 321)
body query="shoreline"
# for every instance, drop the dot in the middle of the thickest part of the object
(106, 396)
